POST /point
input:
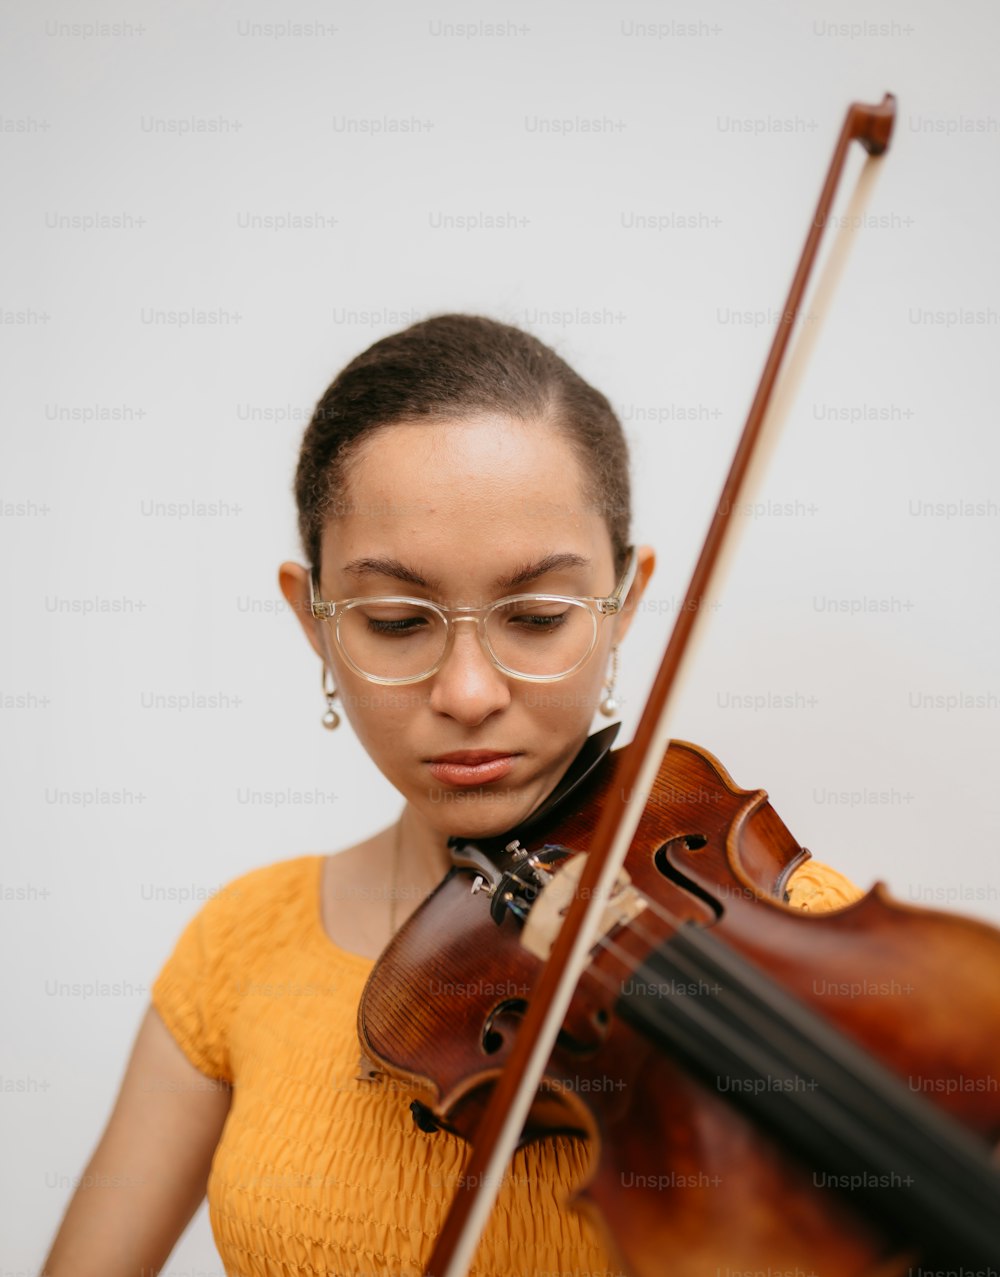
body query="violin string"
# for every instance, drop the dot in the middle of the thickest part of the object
(848, 1114)
(659, 910)
(690, 968)
(667, 915)
(635, 966)
(628, 960)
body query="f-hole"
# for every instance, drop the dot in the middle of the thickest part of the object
(684, 843)
(493, 1038)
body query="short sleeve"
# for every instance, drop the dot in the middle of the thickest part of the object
(193, 991)
(816, 887)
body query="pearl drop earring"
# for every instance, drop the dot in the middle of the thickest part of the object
(609, 706)
(331, 719)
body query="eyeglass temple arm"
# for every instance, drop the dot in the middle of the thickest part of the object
(316, 606)
(625, 584)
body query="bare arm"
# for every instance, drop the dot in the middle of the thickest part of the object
(147, 1176)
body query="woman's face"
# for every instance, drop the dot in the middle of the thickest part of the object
(453, 511)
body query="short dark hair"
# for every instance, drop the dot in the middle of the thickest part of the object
(448, 366)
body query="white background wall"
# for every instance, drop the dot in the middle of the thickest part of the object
(191, 123)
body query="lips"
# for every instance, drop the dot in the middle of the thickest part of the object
(471, 766)
(471, 756)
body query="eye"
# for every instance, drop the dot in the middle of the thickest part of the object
(542, 621)
(396, 625)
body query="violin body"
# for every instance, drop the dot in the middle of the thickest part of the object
(704, 1155)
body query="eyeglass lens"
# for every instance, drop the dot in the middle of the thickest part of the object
(536, 637)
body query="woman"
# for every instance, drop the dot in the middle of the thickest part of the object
(455, 464)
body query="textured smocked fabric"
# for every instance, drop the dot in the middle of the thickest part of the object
(317, 1171)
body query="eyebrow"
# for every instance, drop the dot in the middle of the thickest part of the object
(388, 567)
(504, 584)
(532, 571)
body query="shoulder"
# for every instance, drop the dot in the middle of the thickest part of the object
(235, 931)
(266, 887)
(250, 909)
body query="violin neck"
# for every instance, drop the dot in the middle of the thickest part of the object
(841, 1111)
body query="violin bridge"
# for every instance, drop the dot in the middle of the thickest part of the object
(546, 915)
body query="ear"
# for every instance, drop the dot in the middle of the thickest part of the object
(645, 564)
(294, 581)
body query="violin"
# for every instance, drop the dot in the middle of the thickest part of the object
(625, 969)
(716, 1037)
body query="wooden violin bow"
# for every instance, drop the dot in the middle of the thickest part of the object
(498, 1131)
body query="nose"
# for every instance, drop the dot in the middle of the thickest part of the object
(468, 687)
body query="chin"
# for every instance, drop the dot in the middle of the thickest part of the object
(477, 813)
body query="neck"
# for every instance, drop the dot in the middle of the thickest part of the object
(424, 858)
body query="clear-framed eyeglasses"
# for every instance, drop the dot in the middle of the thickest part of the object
(538, 637)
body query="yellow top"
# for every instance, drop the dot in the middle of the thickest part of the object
(317, 1172)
